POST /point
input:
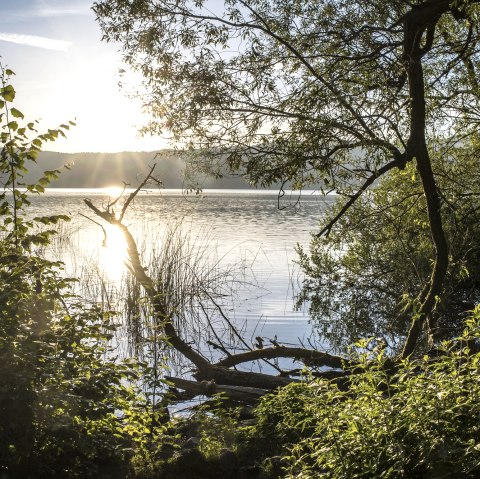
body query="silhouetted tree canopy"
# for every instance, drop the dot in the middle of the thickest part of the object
(327, 90)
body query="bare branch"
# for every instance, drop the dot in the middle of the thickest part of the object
(309, 357)
(132, 195)
(104, 242)
(155, 297)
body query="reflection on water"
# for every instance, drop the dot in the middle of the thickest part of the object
(244, 228)
(113, 254)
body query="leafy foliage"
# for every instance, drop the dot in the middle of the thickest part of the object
(218, 431)
(300, 91)
(368, 271)
(418, 421)
(330, 92)
(68, 406)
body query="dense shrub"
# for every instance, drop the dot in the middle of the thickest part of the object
(420, 421)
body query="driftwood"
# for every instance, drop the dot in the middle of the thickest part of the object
(220, 372)
(210, 388)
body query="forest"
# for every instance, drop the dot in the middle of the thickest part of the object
(375, 102)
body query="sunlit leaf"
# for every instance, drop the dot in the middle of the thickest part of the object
(13, 125)
(7, 93)
(16, 113)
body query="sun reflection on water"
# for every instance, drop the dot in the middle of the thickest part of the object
(114, 253)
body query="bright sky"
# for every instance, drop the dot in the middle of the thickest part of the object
(63, 71)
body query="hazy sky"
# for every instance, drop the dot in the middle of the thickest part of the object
(63, 71)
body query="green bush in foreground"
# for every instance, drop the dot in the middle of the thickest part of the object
(421, 421)
(68, 407)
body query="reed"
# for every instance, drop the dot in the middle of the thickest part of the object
(196, 285)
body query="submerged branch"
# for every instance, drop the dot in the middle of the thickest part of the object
(210, 388)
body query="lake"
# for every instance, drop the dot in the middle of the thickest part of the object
(247, 237)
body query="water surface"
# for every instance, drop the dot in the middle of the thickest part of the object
(248, 229)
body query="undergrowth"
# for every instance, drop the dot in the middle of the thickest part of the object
(68, 407)
(421, 420)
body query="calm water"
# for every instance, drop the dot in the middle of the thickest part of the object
(242, 230)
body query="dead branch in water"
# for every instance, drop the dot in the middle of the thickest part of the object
(219, 372)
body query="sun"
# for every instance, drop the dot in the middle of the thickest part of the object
(112, 191)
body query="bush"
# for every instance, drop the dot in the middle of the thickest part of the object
(68, 407)
(420, 421)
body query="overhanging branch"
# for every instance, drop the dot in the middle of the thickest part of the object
(396, 163)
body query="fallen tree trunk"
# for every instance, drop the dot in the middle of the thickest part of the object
(210, 388)
(220, 372)
(309, 357)
(232, 377)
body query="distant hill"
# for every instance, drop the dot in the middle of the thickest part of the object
(100, 170)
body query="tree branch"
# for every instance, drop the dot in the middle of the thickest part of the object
(396, 163)
(309, 357)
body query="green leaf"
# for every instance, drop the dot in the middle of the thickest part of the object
(51, 174)
(32, 155)
(7, 93)
(16, 113)
(12, 125)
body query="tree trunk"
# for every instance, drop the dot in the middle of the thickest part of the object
(210, 388)
(417, 25)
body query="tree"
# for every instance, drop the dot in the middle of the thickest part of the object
(365, 275)
(332, 90)
(166, 317)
